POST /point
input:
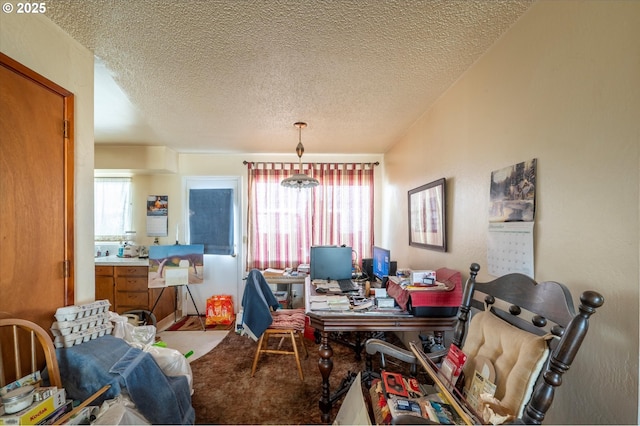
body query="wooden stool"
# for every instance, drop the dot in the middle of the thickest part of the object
(283, 319)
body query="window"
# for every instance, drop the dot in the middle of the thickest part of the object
(211, 219)
(211, 214)
(112, 208)
(284, 223)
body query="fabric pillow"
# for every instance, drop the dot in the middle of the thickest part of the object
(517, 356)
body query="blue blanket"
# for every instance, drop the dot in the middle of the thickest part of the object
(109, 360)
(257, 303)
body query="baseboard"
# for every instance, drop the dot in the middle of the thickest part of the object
(167, 322)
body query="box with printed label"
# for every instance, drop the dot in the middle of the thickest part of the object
(37, 411)
(423, 277)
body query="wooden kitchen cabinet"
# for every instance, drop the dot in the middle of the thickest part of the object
(105, 286)
(131, 290)
(126, 288)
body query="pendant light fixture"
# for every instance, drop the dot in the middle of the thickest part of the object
(300, 180)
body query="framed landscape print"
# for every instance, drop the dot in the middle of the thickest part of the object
(427, 225)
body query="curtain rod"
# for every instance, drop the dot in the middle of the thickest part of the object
(245, 162)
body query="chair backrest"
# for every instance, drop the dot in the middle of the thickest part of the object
(24, 342)
(542, 309)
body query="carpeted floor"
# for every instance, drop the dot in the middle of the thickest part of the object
(224, 392)
(198, 343)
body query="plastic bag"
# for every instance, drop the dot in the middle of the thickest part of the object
(220, 310)
(119, 323)
(172, 363)
(138, 336)
(119, 411)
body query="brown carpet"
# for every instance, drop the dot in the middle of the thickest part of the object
(224, 392)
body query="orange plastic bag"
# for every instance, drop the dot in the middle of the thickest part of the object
(220, 310)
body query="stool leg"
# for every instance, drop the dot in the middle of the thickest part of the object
(301, 337)
(295, 351)
(255, 358)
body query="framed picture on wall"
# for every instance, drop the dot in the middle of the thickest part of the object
(427, 224)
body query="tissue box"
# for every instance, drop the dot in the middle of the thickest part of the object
(423, 277)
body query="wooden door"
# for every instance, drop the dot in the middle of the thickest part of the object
(36, 183)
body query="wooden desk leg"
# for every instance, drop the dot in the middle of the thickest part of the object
(325, 364)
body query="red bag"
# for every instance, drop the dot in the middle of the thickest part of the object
(220, 310)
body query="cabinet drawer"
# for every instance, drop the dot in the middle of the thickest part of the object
(131, 284)
(132, 299)
(132, 271)
(104, 270)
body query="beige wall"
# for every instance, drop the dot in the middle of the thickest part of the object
(37, 43)
(562, 86)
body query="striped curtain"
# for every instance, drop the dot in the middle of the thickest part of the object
(283, 223)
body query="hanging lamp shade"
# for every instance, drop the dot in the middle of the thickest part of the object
(299, 180)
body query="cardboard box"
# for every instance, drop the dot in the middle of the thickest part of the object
(36, 412)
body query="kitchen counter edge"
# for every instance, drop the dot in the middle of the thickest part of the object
(120, 261)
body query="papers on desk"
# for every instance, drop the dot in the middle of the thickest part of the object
(339, 303)
(408, 285)
(330, 303)
(327, 286)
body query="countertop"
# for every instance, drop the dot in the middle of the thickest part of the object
(114, 260)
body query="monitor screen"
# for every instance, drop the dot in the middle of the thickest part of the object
(381, 262)
(330, 262)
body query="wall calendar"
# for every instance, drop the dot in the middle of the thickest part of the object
(510, 248)
(511, 217)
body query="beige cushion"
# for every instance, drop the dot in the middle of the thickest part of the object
(517, 356)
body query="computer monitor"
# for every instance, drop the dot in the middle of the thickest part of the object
(330, 262)
(381, 262)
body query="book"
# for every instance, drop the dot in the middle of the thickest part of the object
(403, 406)
(394, 384)
(413, 387)
(479, 385)
(452, 366)
(440, 412)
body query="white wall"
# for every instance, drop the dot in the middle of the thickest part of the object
(562, 86)
(37, 43)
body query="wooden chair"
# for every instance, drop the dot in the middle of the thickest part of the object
(38, 352)
(286, 323)
(40, 347)
(528, 330)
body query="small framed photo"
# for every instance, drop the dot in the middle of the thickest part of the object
(427, 216)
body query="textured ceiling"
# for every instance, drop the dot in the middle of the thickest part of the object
(232, 76)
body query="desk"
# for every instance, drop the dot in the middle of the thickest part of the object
(277, 279)
(328, 321)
